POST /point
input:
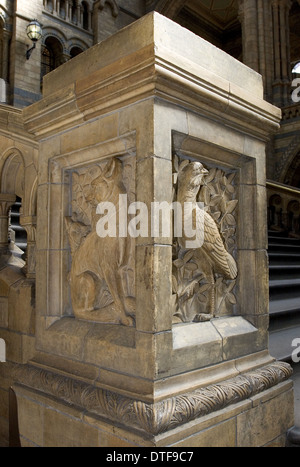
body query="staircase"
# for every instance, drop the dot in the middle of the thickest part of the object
(284, 275)
(18, 236)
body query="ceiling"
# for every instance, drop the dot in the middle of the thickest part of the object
(221, 13)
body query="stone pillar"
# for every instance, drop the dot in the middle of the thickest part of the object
(249, 19)
(152, 342)
(24, 76)
(255, 17)
(67, 10)
(281, 85)
(79, 22)
(90, 19)
(269, 50)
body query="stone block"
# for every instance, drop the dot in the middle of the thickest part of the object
(266, 421)
(63, 430)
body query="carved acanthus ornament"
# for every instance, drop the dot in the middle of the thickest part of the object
(204, 278)
(156, 417)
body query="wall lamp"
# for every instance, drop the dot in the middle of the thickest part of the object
(34, 32)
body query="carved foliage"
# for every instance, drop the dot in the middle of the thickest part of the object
(154, 418)
(191, 289)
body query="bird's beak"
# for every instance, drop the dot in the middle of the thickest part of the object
(204, 171)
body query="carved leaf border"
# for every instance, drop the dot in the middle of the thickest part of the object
(158, 417)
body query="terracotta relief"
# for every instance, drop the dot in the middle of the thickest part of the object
(102, 270)
(204, 277)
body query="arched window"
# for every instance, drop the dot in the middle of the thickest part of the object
(49, 5)
(75, 51)
(48, 61)
(74, 12)
(85, 16)
(52, 52)
(62, 9)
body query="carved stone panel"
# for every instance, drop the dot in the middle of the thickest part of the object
(103, 267)
(204, 277)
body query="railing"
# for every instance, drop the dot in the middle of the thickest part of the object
(291, 111)
(283, 209)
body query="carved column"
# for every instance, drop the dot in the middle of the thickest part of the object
(281, 83)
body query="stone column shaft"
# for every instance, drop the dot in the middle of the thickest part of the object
(250, 34)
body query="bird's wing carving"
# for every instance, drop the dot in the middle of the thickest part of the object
(214, 246)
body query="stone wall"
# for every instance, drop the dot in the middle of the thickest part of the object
(18, 168)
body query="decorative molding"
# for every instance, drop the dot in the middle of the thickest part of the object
(158, 417)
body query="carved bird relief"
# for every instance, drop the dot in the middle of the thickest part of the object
(212, 255)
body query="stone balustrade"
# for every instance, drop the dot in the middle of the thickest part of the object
(283, 208)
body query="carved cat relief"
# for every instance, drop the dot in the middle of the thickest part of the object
(102, 270)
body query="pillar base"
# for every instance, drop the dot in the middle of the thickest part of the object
(251, 409)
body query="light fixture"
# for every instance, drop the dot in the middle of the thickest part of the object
(296, 68)
(34, 32)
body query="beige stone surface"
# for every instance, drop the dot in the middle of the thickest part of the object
(253, 423)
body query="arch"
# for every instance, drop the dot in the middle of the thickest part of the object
(54, 53)
(2, 21)
(77, 43)
(12, 173)
(57, 34)
(75, 51)
(13, 183)
(113, 5)
(85, 15)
